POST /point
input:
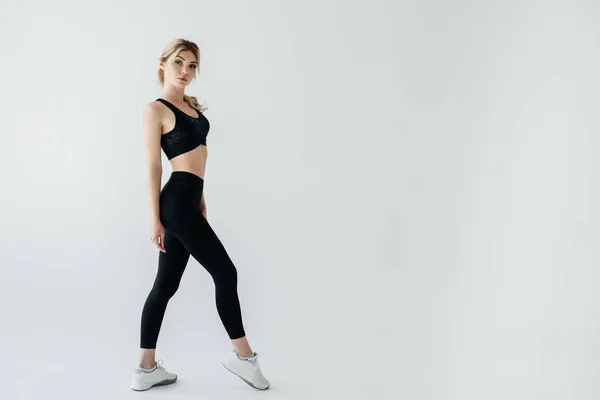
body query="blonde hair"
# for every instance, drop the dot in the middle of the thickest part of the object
(174, 47)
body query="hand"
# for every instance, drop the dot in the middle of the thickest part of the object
(157, 235)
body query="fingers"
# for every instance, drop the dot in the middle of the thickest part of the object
(159, 242)
(161, 245)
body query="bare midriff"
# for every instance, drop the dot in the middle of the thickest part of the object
(193, 161)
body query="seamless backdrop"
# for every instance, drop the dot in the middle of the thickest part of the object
(409, 191)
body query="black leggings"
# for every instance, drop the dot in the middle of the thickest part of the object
(188, 232)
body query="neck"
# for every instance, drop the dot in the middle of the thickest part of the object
(172, 93)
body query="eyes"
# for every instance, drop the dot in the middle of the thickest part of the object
(179, 62)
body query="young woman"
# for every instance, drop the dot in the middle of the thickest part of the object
(176, 124)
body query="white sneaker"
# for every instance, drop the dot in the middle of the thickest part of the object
(144, 380)
(247, 369)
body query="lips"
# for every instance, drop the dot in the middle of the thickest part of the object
(182, 79)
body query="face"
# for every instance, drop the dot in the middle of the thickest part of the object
(180, 68)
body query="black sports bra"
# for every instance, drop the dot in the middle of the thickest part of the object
(187, 134)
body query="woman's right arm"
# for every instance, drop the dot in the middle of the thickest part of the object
(152, 133)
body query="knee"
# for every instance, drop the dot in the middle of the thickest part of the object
(227, 276)
(164, 291)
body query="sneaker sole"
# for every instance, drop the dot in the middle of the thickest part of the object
(239, 376)
(161, 383)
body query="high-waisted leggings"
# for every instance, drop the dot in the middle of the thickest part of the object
(188, 232)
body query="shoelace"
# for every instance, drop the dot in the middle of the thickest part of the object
(254, 362)
(159, 365)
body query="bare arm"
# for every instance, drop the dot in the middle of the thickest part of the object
(152, 132)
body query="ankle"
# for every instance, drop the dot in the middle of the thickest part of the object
(147, 364)
(244, 354)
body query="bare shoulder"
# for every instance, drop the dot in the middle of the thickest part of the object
(153, 108)
(153, 112)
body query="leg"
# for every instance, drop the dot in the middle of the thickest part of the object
(171, 265)
(198, 237)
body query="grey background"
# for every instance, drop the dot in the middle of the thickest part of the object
(408, 189)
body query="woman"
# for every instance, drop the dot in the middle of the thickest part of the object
(176, 124)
